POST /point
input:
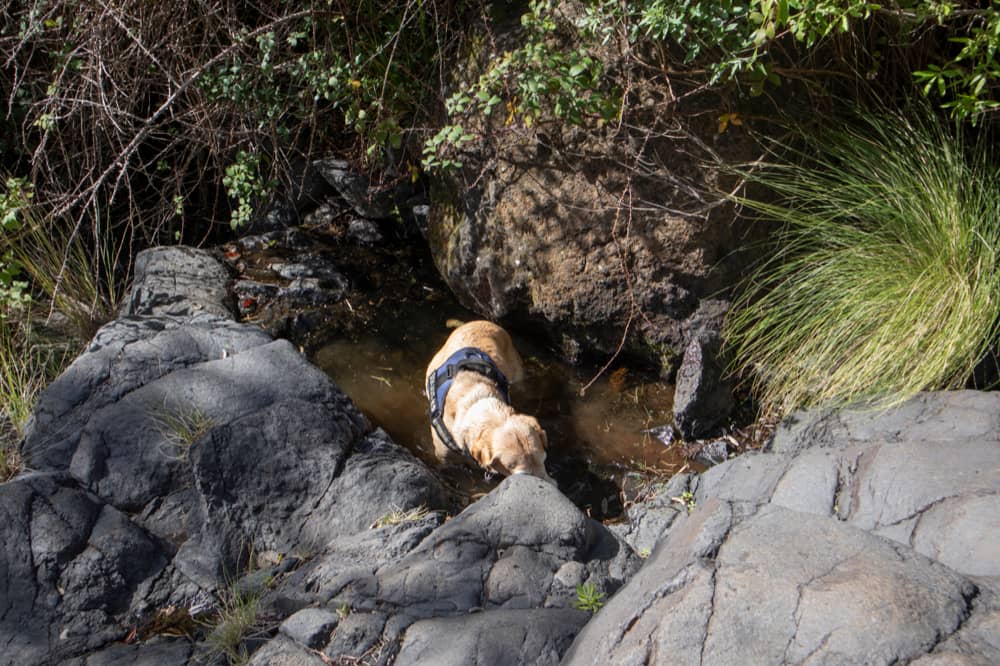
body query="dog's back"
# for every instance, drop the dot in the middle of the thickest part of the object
(487, 337)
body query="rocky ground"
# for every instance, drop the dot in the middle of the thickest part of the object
(186, 462)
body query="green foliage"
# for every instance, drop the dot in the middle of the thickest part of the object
(540, 79)
(686, 499)
(558, 73)
(243, 185)
(588, 598)
(14, 198)
(121, 112)
(77, 275)
(967, 81)
(886, 278)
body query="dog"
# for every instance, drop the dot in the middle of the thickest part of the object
(467, 385)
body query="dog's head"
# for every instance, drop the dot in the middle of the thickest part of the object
(518, 447)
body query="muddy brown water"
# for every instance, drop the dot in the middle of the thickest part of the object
(376, 341)
(598, 441)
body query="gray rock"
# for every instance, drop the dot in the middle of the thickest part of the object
(498, 638)
(128, 451)
(283, 652)
(358, 191)
(815, 551)
(525, 530)
(703, 399)
(364, 232)
(350, 562)
(178, 282)
(523, 547)
(73, 570)
(292, 238)
(178, 444)
(155, 652)
(310, 627)
(649, 520)
(761, 600)
(357, 636)
(124, 355)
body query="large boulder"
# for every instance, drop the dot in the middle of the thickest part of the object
(857, 537)
(610, 236)
(175, 448)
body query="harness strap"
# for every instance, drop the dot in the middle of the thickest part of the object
(439, 382)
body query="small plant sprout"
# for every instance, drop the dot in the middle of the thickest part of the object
(343, 610)
(588, 598)
(686, 499)
(396, 515)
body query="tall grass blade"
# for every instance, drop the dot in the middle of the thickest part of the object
(885, 279)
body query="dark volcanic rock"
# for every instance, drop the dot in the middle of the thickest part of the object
(859, 537)
(179, 282)
(524, 547)
(72, 571)
(156, 652)
(499, 638)
(358, 191)
(703, 400)
(175, 446)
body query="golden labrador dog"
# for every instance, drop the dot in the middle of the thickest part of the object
(467, 384)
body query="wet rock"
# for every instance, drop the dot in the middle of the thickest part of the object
(539, 637)
(703, 399)
(859, 536)
(177, 282)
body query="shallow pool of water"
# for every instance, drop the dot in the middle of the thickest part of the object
(596, 439)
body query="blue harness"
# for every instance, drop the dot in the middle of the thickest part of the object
(439, 381)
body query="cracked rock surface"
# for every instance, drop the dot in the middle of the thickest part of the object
(496, 584)
(856, 537)
(176, 445)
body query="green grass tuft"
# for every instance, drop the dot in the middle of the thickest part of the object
(237, 620)
(885, 281)
(27, 364)
(182, 427)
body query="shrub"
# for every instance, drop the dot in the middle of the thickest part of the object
(135, 111)
(886, 277)
(589, 64)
